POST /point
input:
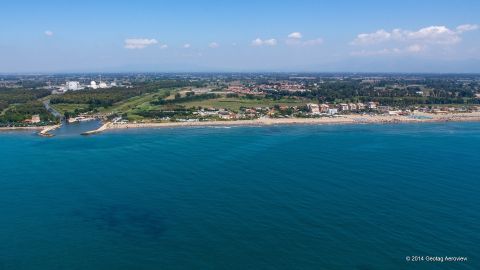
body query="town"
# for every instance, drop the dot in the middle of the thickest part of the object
(27, 100)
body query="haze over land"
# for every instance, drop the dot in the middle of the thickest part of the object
(368, 36)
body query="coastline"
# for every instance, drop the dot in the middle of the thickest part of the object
(44, 131)
(344, 119)
(20, 128)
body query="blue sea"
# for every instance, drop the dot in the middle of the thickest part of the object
(277, 197)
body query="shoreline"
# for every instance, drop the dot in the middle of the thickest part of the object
(20, 128)
(36, 128)
(345, 119)
(337, 120)
(43, 131)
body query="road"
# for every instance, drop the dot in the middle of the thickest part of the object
(49, 108)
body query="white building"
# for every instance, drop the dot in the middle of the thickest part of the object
(314, 108)
(72, 85)
(324, 108)
(372, 105)
(93, 85)
(343, 106)
(332, 111)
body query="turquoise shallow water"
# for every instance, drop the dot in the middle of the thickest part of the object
(291, 197)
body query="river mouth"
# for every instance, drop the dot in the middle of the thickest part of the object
(76, 128)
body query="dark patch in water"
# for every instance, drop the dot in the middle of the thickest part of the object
(125, 220)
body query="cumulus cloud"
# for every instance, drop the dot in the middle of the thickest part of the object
(267, 42)
(466, 27)
(415, 48)
(313, 42)
(139, 43)
(385, 51)
(407, 42)
(213, 45)
(257, 42)
(372, 38)
(431, 34)
(296, 39)
(412, 49)
(295, 35)
(304, 43)
(48, 33)
(186, 45)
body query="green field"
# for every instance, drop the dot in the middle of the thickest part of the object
(234, 104)
(66, 107)
(133, 107)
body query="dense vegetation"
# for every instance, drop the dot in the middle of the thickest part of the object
(17, 105)
(11, 96)
(108, 97)
(436, 92)
(189, 97)
(20, 112)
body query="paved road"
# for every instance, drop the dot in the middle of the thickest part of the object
(49, 108)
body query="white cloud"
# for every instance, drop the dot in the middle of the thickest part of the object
(48, 33)
(431, 39)
(186, 45)
(306, 43)
(138, 43)
(163, 46)
(270, 42)
(433, 34)
(428, 35)
(213, 45)
(267, 42)
(415, 48)
(466, 27)
(257, 42)
(371, 38)
(313, 42)
(295, 35)
(385, 51)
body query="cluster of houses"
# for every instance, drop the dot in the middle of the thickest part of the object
(331, 109)
(238, 87)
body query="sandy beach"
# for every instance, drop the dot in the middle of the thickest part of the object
(341, 119)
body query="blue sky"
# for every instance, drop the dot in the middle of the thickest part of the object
(113, 36)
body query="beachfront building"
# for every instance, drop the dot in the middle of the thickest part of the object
(314, 108)
(324, 108)
(384, 109)
(343, 106)
(372, 105)
(360, 106)
(332, 111)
